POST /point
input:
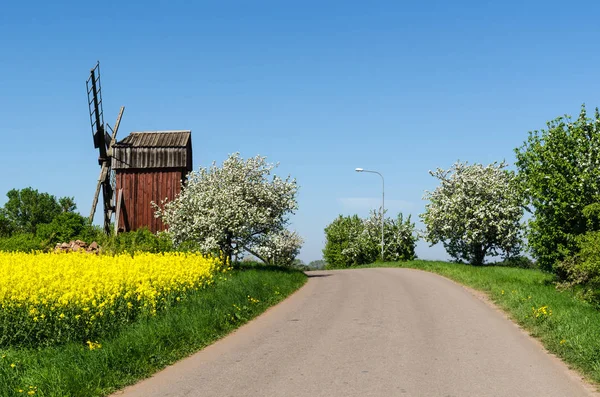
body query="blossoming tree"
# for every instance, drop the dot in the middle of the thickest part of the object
(238, 207)
(475, 212)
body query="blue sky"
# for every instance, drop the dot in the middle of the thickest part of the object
(321, 87)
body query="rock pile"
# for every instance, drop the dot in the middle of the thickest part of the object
(76, 246)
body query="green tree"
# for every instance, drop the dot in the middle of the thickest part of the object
(475, 212)
(317, 264)
(559, 169)
(67, 204)
(339, 235)
(65, 227)
(5, 224)
(27, 208)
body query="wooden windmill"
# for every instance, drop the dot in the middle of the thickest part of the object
(104, 143)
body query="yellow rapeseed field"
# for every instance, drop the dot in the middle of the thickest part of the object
(48, 298)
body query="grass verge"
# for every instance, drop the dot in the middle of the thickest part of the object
(143, 348)
(565, 325)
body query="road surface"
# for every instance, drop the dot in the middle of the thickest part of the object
(372, 332)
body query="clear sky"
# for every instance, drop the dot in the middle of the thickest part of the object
(321, 87)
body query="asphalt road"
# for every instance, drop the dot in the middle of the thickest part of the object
(372, 332)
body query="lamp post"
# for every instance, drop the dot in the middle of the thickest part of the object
(382, 203)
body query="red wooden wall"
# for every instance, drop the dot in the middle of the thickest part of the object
(140, 188)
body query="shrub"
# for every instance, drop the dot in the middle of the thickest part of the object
(65, 227)
(21, 243)
(141, 240)
(519, 261)
(583, 269)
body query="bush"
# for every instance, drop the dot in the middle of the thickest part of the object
(591, 213)
(141, 240)
(21, 242)
(521, 262)
(583, 268)
(65, 227)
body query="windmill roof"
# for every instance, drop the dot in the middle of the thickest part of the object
(156, 139)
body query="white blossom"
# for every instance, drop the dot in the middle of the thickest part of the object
(475, 212)
(238, 207)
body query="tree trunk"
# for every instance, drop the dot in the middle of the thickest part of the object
(228, 249)
(479, 252)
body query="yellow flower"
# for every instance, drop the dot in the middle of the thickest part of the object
(563, 341)
(12, 365)
(93, 345)
(79, 289)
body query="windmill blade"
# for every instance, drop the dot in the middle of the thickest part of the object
(117, 123)
(101, 179)
(103, 141)
(113, 137)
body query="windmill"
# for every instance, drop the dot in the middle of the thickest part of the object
(103, 142)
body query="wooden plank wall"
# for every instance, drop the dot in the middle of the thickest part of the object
(140, 188)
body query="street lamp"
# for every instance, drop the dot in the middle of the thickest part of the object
(382, 202)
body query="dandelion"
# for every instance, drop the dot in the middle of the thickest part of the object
(541, 312)
(93, 345)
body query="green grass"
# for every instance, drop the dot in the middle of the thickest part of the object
(567, 326)
(141, 349)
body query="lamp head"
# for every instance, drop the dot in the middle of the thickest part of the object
(359, 170)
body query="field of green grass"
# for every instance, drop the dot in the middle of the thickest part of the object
(139, 350)
(567, 326)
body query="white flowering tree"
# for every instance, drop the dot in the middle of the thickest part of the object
(236, 208)
(278, 248)
(475, 212)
